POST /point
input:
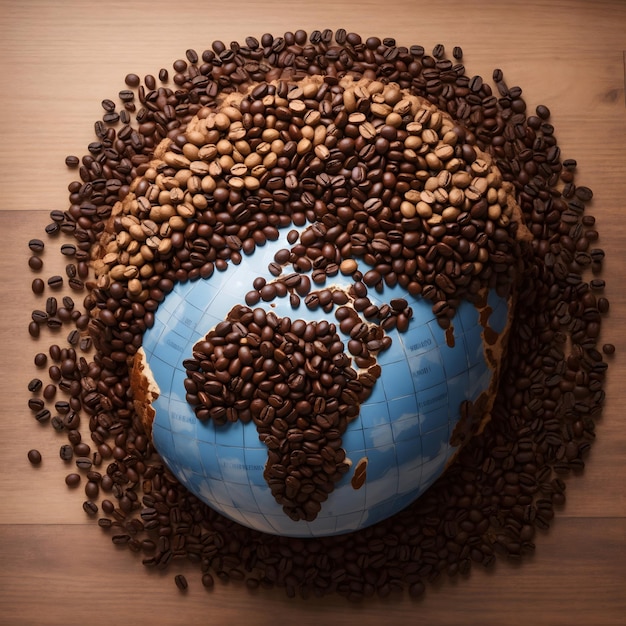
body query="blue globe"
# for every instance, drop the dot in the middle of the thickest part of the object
(403, 435)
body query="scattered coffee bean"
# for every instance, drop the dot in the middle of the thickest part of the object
(66, 452)
(36, 245)
(35, 385)
(55, 282)
(132, 80)
(35, 263)
(34, 456)
(90, 507)
(38, 286)
(72, 480)
(181, 582)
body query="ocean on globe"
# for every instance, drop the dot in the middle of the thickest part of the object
(403, 431)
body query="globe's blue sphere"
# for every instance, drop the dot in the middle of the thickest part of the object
(404, 428)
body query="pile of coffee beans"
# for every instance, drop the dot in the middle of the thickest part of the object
(294, 380)
(507, 481)
(382, 174)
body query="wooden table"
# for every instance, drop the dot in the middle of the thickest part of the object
(58, 61)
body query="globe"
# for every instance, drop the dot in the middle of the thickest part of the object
(404, 434)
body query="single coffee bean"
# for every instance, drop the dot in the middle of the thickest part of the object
(76, 284)
(132, 80)
(35, 385)
(55, 282)
(82, 449)
(39, 317)
(72, 480)
(43, 416)
(68, 249)
(34, 456)
(51, 306)
(36, 245)
(49, 391)
(38, 286)
(92, 489)
(35, 263)
(90, 507)
(181, 582)
(83, 463)
(66, 452)
(57, 423)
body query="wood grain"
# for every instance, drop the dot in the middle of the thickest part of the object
(58, 60)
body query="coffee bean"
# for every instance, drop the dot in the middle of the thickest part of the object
(90, 507)
(34, 456)
(92, 489)
(132, 80)
(72, 480)
(35, 385)
(181, 582)
(83, 463)
(55, 282)
(36, 245)
(49, 391)
(35, 263)
(66, 452)
(68, 249)
(543, 112)
(38, 286)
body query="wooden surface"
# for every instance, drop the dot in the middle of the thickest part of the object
(58, 60)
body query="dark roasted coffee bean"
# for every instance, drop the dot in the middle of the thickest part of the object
(51, 306)
(74, 337)
(35, 385)
(34, 456)
(83, 463)
(35, 263)
(90, 507)
(55, 282)
(72, 480)
(49, 392)
(38, 286)
(36, 245)
(181, 582)
(68, 249)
